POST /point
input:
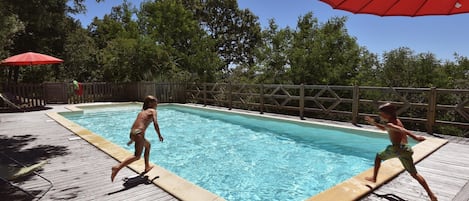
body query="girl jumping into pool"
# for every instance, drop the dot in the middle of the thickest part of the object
(137, 135)
(399, 148)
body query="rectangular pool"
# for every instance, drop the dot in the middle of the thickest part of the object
(243, 157)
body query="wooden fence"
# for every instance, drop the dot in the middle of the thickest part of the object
(46, 93)
(446, 110)
(25, 95)
(429, 109)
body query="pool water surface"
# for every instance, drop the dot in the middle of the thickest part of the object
(241, 157)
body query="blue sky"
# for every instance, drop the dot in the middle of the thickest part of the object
(441, 35)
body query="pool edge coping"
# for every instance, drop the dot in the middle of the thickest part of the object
(353, 188)
(168, 181)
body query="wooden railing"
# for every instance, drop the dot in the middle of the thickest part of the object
(40, 94)
(429, 109)
(445, 110)
(25, 95)
(94, 92)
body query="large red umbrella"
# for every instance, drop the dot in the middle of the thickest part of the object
(401, 7)
(30, 58)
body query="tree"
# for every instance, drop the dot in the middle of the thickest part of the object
(402, 67)
(396, 68)
(80, 57)
(236, 31)
(11, 27)
(271, 56)
(424, 71)
(190, 51)
(117, 38)
(323, 53)
(366, 72)
(118, 23)
(455, 74)
(46, 25)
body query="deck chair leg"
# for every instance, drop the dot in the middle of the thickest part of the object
(17, 187)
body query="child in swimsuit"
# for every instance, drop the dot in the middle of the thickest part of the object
(137, 135)
(399, 148)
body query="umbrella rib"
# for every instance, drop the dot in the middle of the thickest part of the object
(364, 5)
(419, 8)
(387, 10)
(340, 4)
(453, 7)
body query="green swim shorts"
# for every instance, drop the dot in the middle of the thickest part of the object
(403, 152)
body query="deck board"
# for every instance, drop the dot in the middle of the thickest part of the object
(463, 195)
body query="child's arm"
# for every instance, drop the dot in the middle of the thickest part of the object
(157, 127)
(372, 122)
(401, 129)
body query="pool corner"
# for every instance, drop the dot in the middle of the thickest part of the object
(357, 187)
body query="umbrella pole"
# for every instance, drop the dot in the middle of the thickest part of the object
(16, 74)
(9, 74)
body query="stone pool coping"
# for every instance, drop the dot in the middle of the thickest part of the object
(353, 188)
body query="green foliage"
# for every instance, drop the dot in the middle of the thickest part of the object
(190, 51)
(367, 71)
(323, 53)
(271, 56)
(79, 58)
(209, 40)
(236, 32)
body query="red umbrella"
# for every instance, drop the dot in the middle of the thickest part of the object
(401, 7)
(30, 58)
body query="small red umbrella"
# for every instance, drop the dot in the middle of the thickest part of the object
(30, 58)
(410, 8)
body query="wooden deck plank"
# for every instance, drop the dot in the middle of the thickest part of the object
(463, 195)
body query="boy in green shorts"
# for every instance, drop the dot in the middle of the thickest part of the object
(399, 148)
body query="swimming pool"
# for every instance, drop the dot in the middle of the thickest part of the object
(243, 157)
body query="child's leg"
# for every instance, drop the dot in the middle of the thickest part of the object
(146, 156)
(424, 184)
(376, 169)
(408, 163)
(138, 152)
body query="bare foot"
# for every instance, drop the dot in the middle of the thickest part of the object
(148, 169)
(433, 198)
(114, 173)
(370, 179)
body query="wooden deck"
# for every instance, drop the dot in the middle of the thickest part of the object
(446, 172)
(78, 170)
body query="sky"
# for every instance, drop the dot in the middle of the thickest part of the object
(441, 35)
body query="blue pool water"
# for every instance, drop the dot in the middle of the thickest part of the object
(243, 157)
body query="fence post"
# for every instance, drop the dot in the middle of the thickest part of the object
(431, 111)
(230, 99)
(205, 94)
(355, 103)
(302, 101)
(261, 100)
